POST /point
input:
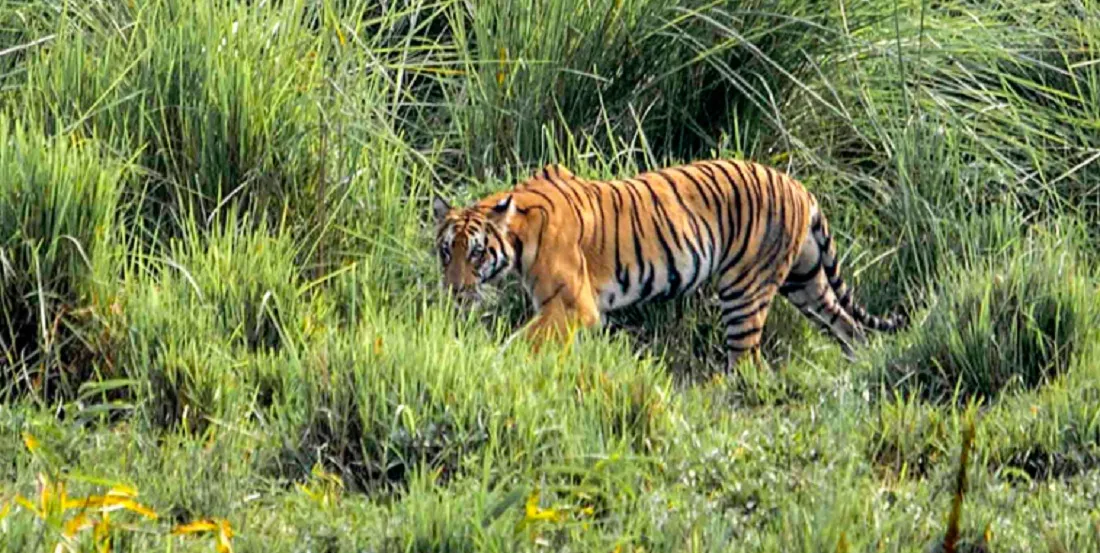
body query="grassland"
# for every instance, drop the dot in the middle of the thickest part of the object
(220, 307)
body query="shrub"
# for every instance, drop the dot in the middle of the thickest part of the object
(58, 202)
(1009, 320)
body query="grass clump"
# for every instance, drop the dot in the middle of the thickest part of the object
(1051, 433)
(59, 200)
(232, 296)
(379, 407)
(219, 101)
(1012, 321)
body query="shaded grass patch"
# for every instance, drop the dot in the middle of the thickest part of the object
(1010, 321)
(59, 201)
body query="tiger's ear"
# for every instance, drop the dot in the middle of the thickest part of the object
(440, 207)
(503, 211)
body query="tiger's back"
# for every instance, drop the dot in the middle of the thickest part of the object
(664, 233)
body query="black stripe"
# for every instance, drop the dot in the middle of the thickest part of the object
(635, 207)
(660, 211)
(727, 316)
(638, 233)
(777, 227)
(691, 216)
(728, 305)
(706, 202)
(517, 254)
(721, 202)
(671, 270)
(576, 209)
(746, 230)
(725, 294)
(714, 186)
(694, 181)
(622, 274)
(733, 206)
(549, 202)
(693, 247)
(803, 278)
(600, 216)
(743, 334)
(497, 268)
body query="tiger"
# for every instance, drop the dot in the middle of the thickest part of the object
(584, 248)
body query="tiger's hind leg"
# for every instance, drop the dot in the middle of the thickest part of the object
(807, 287)
(744, 313)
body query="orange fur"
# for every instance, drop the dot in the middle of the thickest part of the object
(585, 247)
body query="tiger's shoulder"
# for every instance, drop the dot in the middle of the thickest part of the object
(547, 173)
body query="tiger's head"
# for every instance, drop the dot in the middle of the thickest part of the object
(473, 244)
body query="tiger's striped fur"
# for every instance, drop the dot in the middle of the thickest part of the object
(586, 247)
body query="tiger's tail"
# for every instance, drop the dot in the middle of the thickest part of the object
(831, 265)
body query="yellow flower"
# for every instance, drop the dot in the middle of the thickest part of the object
(51, 498)
(501, 73)
(108, 503)
(31, 442)
(123, 490)
(533, 512)
(223, 532)
(26, 504)
(76, 524)
(54, 502)
(101, 533)
(195, 527)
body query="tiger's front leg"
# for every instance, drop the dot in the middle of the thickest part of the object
(566, 300)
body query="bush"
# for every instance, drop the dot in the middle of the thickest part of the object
(219, 100)
(231, 297)
(377, 401)
(657, 78)
(59, 199)
(1013, 320)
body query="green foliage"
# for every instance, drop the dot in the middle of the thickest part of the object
(1013, 320)
(58, 209)
(670, 77)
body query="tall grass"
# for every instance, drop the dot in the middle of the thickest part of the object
(60, 199)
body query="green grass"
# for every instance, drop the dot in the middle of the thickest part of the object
(217, 286)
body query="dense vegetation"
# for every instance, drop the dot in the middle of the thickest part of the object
(221, 317)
